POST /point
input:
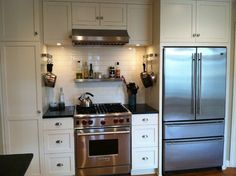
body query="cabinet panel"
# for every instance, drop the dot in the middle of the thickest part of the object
(85, 14)
(19, 20)
(144, 136)
(113, 14)
(144, 158)
(20, 64)
(177, 20)
(145, 119)
(24, 138)
(60, 164)
(139, 24)
(212, 21)
(58, 141)
(58, 13)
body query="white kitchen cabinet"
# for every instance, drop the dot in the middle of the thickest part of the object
(194, 21)
(144, 143)
(139, 24)
(19, 20)
(58, 140)
(57, 23)
(20, 66)
(98, 15)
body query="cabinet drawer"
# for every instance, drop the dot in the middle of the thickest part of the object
(144, 136)
(144, 158)
(59, 123)
(58, 141)
(144, 119)
(60, 164)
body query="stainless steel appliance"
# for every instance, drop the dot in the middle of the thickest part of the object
(102, 140)
(194, 88)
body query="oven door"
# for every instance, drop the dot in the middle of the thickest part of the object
(102, 147)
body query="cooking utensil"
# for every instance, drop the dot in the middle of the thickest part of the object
(49, 77)
(152, 74)
(146, 78)
(85, 101)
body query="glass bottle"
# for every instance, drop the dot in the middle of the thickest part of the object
(86, 71)
(79, 74)
(117, 72)
(91, 72)
(61, 100)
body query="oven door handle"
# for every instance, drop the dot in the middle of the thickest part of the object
(82, 133)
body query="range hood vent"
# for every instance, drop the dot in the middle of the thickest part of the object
(99, 37)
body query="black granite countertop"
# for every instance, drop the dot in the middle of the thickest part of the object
(68, 112)
(141, 109)
(15, 164)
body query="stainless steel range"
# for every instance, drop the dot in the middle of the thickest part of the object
(102, 139)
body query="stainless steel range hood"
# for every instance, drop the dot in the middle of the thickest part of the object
(99, 37)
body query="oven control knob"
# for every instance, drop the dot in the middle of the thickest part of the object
(115, 120)
(90, 122)
(103, 122)
(84, 122)
(121, 120)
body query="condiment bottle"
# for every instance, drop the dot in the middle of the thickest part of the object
(86, 71)
(111, 72)
(79, 74)
(117, 72)
(91, 71)
(61, 100)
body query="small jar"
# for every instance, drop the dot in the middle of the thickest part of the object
(112, 72)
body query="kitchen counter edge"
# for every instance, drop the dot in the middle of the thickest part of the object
(67, 113)
(141, 109)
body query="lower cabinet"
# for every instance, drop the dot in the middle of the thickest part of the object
(58, 136)
(144, 144)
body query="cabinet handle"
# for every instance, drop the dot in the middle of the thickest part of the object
(198, 35)
(59, 142)
(38, 111)
(101, 17)
(58, 124)
(97, 18)
(144, 136)
(35, 33)
(145, 119)
(145, 158)
(194, 35)
(60, 165)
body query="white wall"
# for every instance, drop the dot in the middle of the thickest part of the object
(65, 59)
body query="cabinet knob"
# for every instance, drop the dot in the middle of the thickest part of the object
(38, 111)
(59, 142)
(58, 124)
(97, 18)
(60, 165)
(194, 35)
(101, 17)
(145, 158)
(35, 33)
(198, 35)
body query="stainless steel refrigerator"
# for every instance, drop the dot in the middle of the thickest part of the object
(194, 90)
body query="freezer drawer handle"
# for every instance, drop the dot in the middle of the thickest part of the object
(145, 158)
(172, 142)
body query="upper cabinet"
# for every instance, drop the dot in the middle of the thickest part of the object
(139, 24)
(19, 20)
(57, 22)
(194, 21)
(98, 15)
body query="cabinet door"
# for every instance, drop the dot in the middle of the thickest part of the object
(58, 13)
(113, 15)
(19, 20)
(85, 15)
(21, 80)
(140, 24)
(212, 21)
(177, 20)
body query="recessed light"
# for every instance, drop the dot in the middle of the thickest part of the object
(58, 44)
(137, 44)
(130, 48)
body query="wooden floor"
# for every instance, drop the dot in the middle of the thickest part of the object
(211, 172)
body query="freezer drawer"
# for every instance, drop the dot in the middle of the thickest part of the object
(193, 154)
(180, 130)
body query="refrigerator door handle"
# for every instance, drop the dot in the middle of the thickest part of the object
(199, 84)
(193, 109)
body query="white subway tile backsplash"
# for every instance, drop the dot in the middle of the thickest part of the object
(65, 65)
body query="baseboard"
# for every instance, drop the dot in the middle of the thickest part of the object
(226, 164)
